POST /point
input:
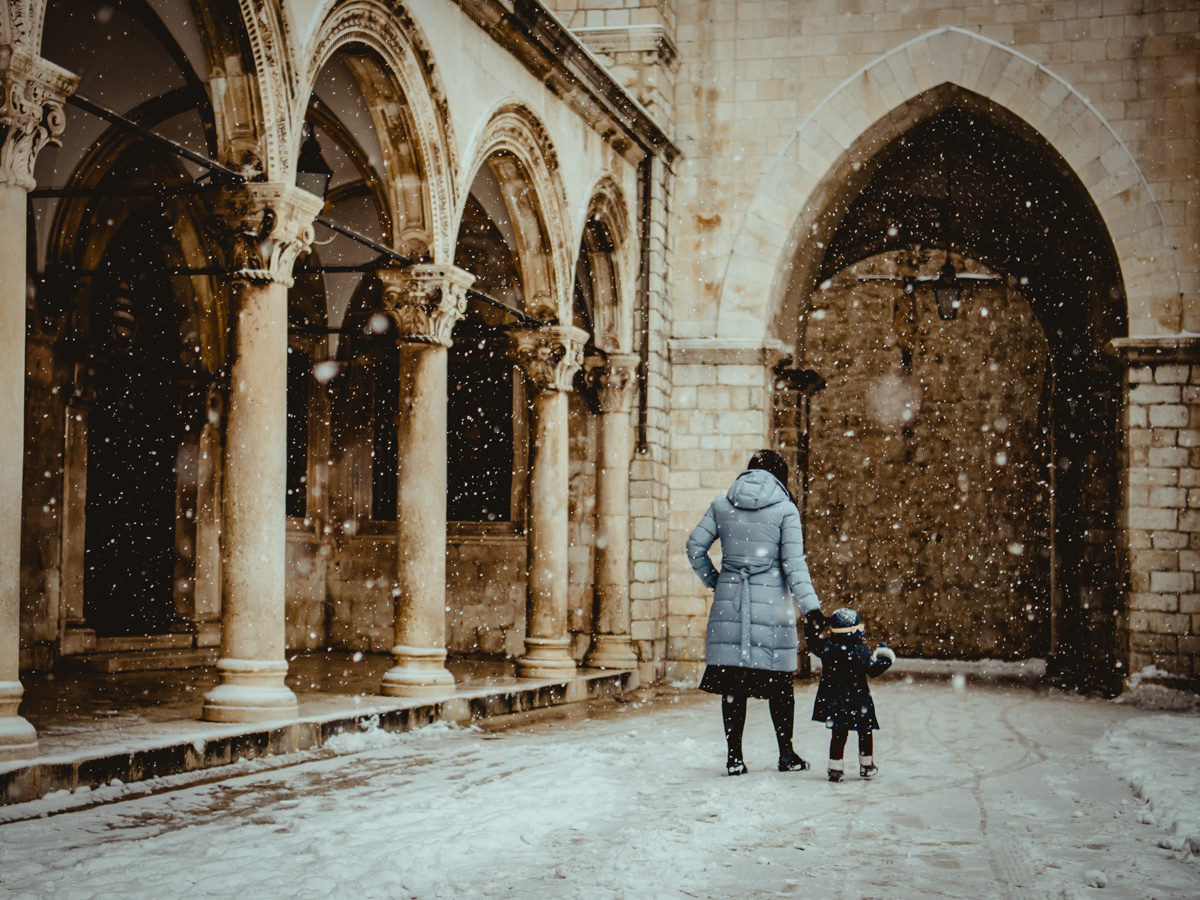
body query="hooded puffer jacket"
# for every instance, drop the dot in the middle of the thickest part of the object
(752, 622)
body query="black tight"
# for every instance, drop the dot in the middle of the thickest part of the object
(837, 742)
(783, 716)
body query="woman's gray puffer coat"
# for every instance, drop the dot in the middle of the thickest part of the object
(752, 622)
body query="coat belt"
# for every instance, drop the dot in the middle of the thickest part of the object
(744, 568)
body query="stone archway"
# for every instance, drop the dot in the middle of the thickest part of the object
(516, 146)
(961, 178)
(876, 104)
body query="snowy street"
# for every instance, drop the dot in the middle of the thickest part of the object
(982, 792)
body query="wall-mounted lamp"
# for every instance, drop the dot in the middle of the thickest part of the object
(312, 171)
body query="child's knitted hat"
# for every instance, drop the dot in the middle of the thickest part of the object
(844, 621)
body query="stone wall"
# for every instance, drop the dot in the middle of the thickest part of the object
(720, 413)
(752, 74)
(1163, 515)
(485, 595)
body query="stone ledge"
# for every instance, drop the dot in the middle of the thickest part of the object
(203, 745)
(1152, 349)
(730, 352)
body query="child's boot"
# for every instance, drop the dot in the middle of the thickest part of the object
(836, 770)
(734, 764)
(866, 767)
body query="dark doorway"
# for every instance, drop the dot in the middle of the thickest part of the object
(134, 430)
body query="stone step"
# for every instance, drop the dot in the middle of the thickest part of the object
(143, 660)
(170, 641)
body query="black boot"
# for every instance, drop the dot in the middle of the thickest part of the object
(791, 761)
(734, 765)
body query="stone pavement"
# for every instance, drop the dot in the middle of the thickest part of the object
(94, 728)
(984, 791)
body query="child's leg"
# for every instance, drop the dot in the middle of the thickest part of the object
(837, 743)
(837, 747)
(866, 754)
(733, 713)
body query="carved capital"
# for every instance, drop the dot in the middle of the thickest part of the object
(31, 111)
(614, 379)
(425, 301)
(264, 227)
(551, 355)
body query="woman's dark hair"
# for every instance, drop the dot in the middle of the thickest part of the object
(770, 461)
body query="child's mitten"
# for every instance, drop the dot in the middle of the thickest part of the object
(883, 651)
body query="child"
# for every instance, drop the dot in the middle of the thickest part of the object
(843, 699)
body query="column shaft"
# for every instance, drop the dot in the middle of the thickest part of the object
(611, 644)
(253, 544)
(424, 302)
(420, 615)
(551, 356)
(17, 737)
(268, 225)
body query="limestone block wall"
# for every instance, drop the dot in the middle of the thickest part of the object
(758, 95)
(1163, 516)
(720, 415)
(485, 594)
(307, 565)
(649, 500)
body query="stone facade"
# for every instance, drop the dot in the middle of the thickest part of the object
(742, 201)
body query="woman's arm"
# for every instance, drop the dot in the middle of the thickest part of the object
(791, 558)
(698, 542)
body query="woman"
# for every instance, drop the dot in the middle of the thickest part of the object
(752, 646)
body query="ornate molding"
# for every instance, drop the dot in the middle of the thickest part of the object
(425, 301)
(514, 130)
(614, 379)
(409, 98)
(265, 227)
(31, 112)
(550, 356)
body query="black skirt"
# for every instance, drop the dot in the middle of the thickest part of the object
(740, 681)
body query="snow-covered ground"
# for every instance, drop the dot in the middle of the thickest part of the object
(983, 792)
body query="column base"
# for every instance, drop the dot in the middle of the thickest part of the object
(546, 658)
(18, 739)
(611, 651)
(418, 672)
(251, 690)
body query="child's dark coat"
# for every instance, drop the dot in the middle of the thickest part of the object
(843, 698)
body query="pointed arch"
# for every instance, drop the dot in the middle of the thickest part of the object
(875, 105)
(518, 148)
(604, 230)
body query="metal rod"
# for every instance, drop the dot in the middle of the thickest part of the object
(366, 241)
(142, 131)
(213, 166)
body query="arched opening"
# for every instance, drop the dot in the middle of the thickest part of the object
(129, 343)
(962, 458)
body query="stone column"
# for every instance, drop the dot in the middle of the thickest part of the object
(267, 225)
(615, 381)
(424, 301)
(550, 357)
(32, 91)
